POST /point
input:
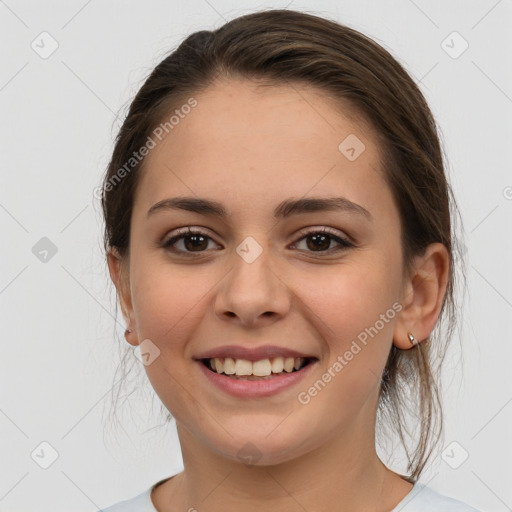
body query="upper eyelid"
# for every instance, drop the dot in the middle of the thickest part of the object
(184, 231)
(323, 229)
(301, 232)
(300, 235)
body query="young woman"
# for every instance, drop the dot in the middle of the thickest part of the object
(279, 231)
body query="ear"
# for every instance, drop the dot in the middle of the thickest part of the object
(118, 269)
(422, 296)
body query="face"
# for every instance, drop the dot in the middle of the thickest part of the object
(319, 282)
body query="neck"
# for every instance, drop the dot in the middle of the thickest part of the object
(338, 475)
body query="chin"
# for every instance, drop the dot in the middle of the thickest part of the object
(268, 449)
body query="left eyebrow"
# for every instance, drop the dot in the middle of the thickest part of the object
(283, 210)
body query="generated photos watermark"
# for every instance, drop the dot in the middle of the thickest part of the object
(304, 397)
(156, 136)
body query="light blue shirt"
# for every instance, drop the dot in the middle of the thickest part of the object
(420, 499)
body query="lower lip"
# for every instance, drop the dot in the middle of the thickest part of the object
(256, 388)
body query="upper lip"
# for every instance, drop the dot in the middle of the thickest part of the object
(251, 354)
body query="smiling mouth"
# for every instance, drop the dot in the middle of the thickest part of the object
(263, 369)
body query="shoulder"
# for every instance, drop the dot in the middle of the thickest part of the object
(424, 499)
(140, 503)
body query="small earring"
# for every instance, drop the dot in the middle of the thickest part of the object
(412, 339)
(127, 331)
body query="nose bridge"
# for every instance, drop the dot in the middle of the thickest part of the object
(252, 288)
(253, 264)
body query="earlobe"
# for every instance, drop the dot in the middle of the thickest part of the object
(131, 338)
(423, 295)
(407, 342)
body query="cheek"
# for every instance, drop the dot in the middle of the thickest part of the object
(169, 302)
(345, 300)
(354, 315)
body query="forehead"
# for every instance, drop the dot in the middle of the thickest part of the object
(246, 140)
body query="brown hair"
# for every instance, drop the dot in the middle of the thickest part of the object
(284, 46)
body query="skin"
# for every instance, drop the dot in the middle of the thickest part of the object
(250, 148)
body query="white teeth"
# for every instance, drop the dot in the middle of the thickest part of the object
(289, 363)
(229, 366)
(243, 367)
(261, 368)
(277, 365)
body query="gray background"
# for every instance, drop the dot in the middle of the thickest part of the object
(59, 115)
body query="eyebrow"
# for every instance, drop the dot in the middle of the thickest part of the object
(283, 210)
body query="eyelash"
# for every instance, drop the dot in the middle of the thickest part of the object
(343, 242)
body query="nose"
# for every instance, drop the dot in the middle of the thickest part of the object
(253, 292)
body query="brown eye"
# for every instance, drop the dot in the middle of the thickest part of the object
(320, 241)
(195, 242)
(191, 242)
